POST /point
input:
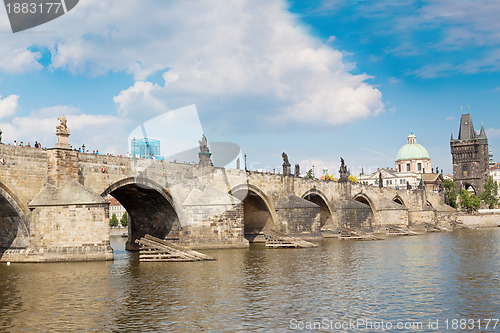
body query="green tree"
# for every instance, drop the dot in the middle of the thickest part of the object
(310, 174)
(490, 193)
(124, 220)
(113, 221)
(450, 193)
(353, 179)
(469, 201)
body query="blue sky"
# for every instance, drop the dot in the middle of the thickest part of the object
(316, 79)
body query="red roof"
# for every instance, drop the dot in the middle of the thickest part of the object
(114, 202)
(496, 166)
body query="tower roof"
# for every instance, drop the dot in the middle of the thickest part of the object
(412, 150)
(466, 131)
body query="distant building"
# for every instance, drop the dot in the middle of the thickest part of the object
(495, 172)
(116, 208)
(400, 180)
(391, 178)
(413, 157)
(413, 166)
(490, 156)
(448, 177)
(470, 156)
(146, 148)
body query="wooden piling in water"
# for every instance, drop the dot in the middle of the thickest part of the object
(156, 249)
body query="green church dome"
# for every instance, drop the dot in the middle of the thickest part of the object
(412, 150)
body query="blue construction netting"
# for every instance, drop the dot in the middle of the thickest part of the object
(146, 148)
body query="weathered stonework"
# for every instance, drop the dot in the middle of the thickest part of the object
(67, 218)
(470, 156)
(297, 216)
(353, 214)
(213, 219)
(53, 208)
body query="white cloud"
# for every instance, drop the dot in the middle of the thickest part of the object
(8, 105)
(493, 133)
(140, 100)
(331, 39)
(55, 111)
(102, 132)
(18, 60)
(248, 56)
(394, 80)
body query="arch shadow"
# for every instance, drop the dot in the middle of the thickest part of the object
(14, 221)
(397, 199)
(364, 199)
(150, 207)
(258, 211)
(316, 196)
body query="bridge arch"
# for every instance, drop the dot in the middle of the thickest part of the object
(397, 199)
(150, 207)
(258, 211)
(470, 188)
(14, 225)
(364, 199)
(316, 196)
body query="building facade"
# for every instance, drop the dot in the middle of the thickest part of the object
(470, 156)
(413, 168)
(495, 172)
(413, 157)
(115, 208)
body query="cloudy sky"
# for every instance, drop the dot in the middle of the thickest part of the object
(316, 79)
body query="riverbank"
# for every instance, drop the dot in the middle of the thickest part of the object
(485, 218)
(118, 231)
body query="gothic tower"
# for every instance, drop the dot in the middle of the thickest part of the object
(470, 156)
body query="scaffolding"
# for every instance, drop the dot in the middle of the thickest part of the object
(146, 148)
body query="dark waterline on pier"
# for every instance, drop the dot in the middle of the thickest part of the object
(437, 276)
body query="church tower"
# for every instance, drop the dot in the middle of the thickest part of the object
(470, 156)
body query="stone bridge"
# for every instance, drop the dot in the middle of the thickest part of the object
(53, 207)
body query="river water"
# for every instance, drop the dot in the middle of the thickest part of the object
(425, 281)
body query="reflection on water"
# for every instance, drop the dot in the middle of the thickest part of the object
(434, 276)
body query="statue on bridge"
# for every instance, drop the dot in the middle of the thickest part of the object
(204, 153)
(285, 158)
(297, 170)
(286, 165)
(63, 127)
(421, 185)
(380, 180)
(62, 133)
(344, 173)
(204, 144)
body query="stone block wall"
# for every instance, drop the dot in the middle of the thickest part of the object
(420, 217)
(66, 229)
(214, 227)
(355, 218)
(23, 173)
(392, 217)
(299, 220)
